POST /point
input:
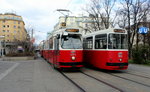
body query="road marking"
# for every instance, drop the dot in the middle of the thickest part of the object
(8, 71)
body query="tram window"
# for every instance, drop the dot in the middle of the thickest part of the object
(117, 41)
(51, 43)
(72, 41)
(101, 41)
(88, 43)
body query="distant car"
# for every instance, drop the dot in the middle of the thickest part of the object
(20, 49)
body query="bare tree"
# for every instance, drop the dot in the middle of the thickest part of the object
(101, 12)
(30, 30)
(125, 14)
(122, 19)
(140, 9)
(132, 13)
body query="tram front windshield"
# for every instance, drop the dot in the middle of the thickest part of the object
(117, 41)
(71, 41)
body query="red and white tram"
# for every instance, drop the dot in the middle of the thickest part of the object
(63, 48)
(106, 49)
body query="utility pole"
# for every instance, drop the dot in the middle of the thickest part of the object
(32, 34)
(31, 40)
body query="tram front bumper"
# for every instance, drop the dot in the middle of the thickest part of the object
(71, 64)
(117, 64)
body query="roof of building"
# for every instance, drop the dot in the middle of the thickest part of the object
(17, 17)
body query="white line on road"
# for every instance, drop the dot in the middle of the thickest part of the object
(8, 71)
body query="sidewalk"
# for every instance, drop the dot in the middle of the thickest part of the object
(1, 59)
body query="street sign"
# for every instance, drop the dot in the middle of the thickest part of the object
(143, 30)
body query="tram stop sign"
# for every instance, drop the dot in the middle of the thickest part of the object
(143, 30)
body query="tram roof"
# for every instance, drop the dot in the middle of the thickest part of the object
(60, 31)
(110, 30)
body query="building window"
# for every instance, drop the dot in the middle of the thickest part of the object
(7, 30)
(3, 30)
(7, 25)
(14, 26)
(19, 27)
(14, 31)
(18, 22)
(14, 22)
(14, 37)
(4, 26)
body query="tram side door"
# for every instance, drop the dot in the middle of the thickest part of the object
(56, 50)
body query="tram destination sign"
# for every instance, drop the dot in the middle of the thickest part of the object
(143, 30)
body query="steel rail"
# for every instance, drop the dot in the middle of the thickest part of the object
(130, 80)
(106, 83)
(138, 75)
(72, 82)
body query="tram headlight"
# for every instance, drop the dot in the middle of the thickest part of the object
(120, 60)
(73, 58)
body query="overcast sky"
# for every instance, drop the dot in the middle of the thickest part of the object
(41, 15)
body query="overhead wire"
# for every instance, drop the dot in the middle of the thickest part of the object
(68, 4)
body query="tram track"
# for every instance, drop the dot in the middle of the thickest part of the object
(120, 90)
(138, 75)
(125, 79)
(79, 87)
(128, 79)
(90, 76)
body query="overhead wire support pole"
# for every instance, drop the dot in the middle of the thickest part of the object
(64, 10)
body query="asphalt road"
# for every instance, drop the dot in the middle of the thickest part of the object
(38, 76)
(32, 76)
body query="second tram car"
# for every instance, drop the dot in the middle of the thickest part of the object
(63, 48)
(106, 49)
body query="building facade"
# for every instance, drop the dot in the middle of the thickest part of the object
(12, 28)
(86, 23)
(1, 46)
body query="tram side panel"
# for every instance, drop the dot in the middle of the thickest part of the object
(95, 58)
(51, 55)
(41, 53)
(44, 54)
(47, 55)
